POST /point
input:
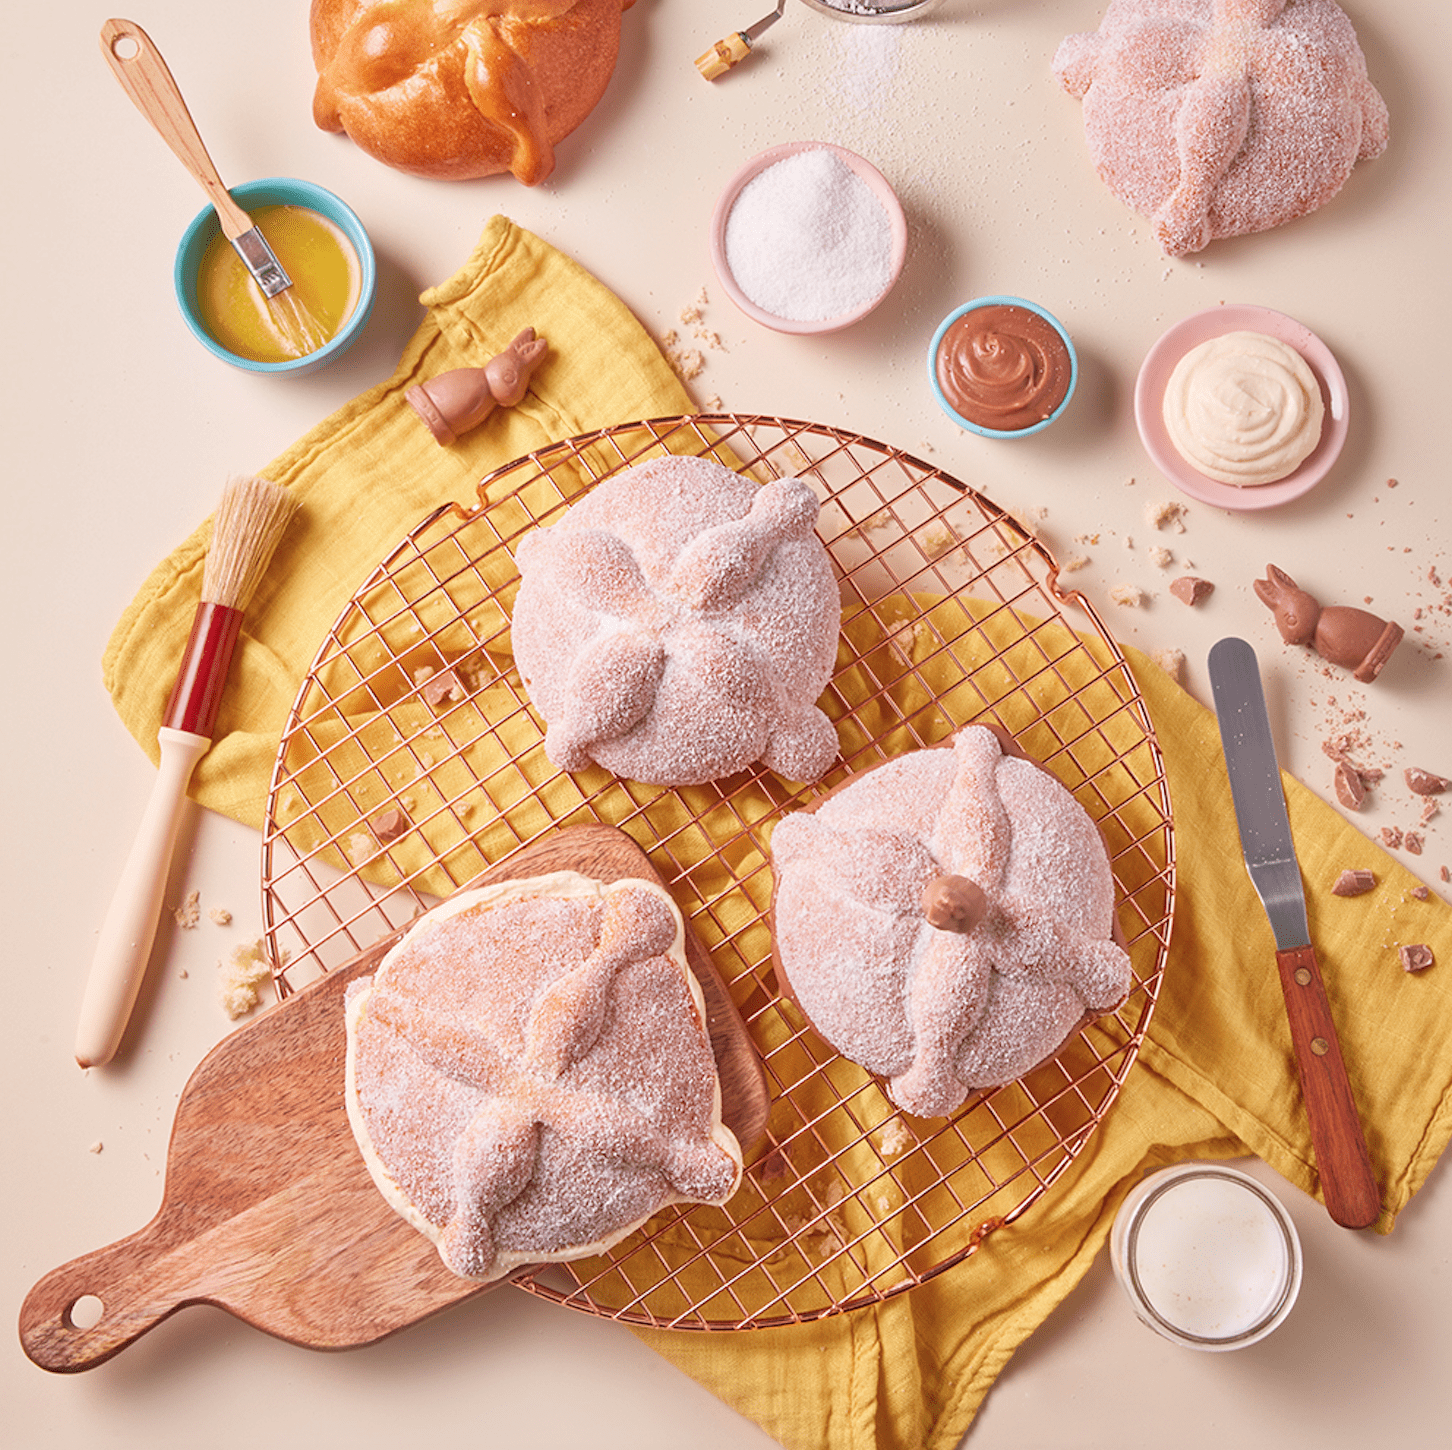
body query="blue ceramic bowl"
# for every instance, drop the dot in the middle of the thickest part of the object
(978, 428)
(277, 191)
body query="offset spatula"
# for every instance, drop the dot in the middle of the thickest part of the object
(1347, 1181)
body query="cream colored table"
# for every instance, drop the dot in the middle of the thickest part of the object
(118, 432)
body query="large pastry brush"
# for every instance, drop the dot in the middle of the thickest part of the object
(248, 523)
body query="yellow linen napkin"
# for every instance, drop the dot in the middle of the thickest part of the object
(1216, 1076)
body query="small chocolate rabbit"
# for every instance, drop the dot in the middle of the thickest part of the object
(454, 402)
(1355, 639)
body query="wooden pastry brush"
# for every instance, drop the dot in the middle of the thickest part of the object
(245, 532)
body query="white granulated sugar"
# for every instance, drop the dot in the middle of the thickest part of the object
(808, 240)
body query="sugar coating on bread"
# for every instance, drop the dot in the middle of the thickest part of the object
(1216, 118)
(940, 1011)
(529, 1076)
(679, 624)
(466, 89)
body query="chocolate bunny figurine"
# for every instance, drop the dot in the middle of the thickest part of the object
(1352, 638)
(457, 401)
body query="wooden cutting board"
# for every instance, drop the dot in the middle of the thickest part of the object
(269, 1211)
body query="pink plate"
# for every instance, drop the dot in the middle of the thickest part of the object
(753, 168)
(1154, 376)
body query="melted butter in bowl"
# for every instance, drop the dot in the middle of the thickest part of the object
(325, 250)
(326, 282)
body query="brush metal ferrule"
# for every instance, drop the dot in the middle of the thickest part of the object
(261, 262)
(205, 662)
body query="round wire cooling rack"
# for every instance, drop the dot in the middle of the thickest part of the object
(412, 761)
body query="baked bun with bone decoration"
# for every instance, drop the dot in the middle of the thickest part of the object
(1215, 118)
(457, 89)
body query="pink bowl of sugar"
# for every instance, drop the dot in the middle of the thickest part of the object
(808, 237)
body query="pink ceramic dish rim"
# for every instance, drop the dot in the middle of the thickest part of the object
(752, 169)
(1154, 376)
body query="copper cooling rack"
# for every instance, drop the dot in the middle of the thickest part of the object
(412, 761)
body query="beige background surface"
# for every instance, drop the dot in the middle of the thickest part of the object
(118, 431)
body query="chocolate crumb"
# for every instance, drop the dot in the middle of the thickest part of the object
(1416, 957)
(444, 688)
(1391, 836)
(1353, 883)
(388, 825)
(1423, 782)
(1421, 893)
(1413, 842)
(1190, 590)
(1350, 788)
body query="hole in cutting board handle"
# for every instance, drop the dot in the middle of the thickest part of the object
(85, 1312)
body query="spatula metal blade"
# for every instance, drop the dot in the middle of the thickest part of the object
(1255, 785)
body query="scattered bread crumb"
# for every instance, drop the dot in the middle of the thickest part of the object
(938, 539)
(1165, 513)
(220, 916)
(1129, 595)
(1074, 564)
(242, 976)
(189, 913)
(96, 1147)
(1171, 661)
(895, 1139)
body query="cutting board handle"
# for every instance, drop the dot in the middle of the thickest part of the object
(134, 1291)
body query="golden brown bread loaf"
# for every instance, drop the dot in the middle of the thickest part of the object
(457, 89)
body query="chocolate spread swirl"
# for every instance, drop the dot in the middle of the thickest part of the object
(1003, 367)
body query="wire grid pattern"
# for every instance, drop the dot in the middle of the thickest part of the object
(952, 612)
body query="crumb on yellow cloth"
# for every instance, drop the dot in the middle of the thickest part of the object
(1215, 1077)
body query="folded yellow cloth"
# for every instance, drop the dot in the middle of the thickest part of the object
(1216, 1075)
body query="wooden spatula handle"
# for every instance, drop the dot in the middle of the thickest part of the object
(1347, 1180)
(145, 77)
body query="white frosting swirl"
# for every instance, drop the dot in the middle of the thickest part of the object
(1243, 408)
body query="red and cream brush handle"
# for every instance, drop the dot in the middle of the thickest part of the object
(129, 929)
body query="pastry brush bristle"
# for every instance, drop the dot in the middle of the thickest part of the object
(248, 524)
